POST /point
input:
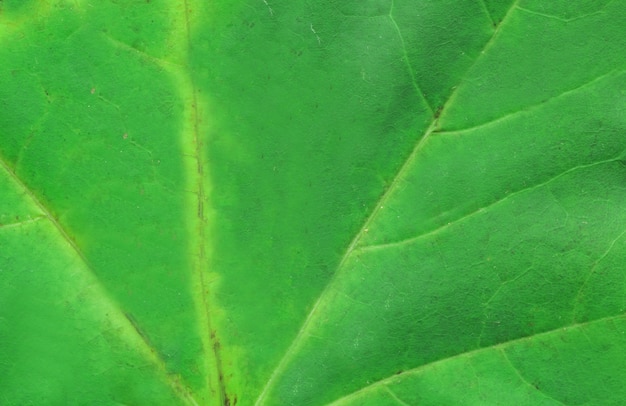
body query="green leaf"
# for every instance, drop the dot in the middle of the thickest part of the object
(305, 203)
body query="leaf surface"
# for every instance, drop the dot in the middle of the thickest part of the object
(282, 202)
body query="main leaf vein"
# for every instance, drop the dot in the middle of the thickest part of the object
(197, 176)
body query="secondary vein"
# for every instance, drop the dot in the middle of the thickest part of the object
(489, 206)
(499, 347)
(292, 349)
(407, 61)
(148, 349)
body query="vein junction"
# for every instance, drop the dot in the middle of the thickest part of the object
(354, 244)
(130, 332)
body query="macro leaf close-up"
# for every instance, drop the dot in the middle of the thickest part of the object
(332, 202)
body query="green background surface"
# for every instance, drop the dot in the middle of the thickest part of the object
(285, 202)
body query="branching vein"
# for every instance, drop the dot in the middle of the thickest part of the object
(523, 379)
(302, 333)
(407, 61)
(592, 271)
(22, 223)
(498, 347)
(608, 75)
(173, 381)
(486, 208)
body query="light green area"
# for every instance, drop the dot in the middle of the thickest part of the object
(380, 202)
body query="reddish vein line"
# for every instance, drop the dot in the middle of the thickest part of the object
(201, 226)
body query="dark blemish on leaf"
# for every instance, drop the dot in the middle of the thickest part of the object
(399, 372)
(200, 209)
(438, 112)
(216, 349)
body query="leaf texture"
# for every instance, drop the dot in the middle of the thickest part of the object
(381, 202)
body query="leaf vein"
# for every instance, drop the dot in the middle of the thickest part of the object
(172, 381)
(406, 59)
(291, 350)
(161, 63)
(22, 223)
(565, 20)
(610, 74)
(197, 176)
(487, 207)
(395, 397)
(523, 379)
(499, 346)
(487, 13)
(606, 252)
